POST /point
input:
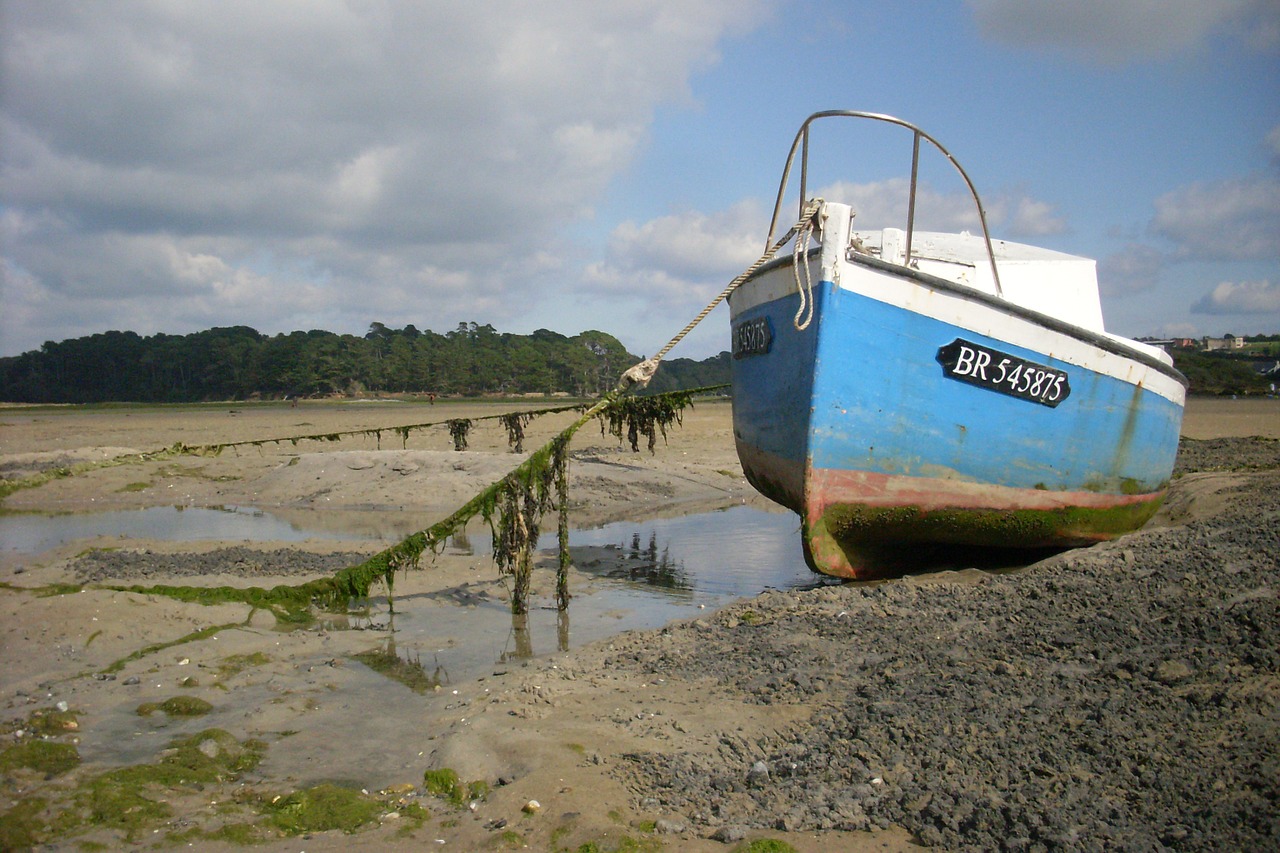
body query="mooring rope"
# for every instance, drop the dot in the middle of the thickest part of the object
(641, 373)
(800, 260)
(540, 483)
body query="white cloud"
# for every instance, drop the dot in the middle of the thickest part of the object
(1132, 270)
(883, 204)
(1032, 218)
(1178, 330)
(692, 245)
(657, 275)
(385, 156)
(1245, 297)
(1122, 31)
(674, 264)
(1231, 220)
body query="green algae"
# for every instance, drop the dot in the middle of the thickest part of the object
(459, 430)
(289, 604)
(509, 839)
(411, 673)
(647, 416)
(322, 808)
(177, 706)
(413, 816)
(23, 826)
(995, 528)
(515, 424)
(136, 803)
(194, 636)
(43, 756)
(9, 486)
(764, 845)
(235, 664)
(236, 833)
(132, 799)
(853, 540)
(55, 589)
(620, 844)
(442, 783)
(47, 722)
(446, 785)
(513, 507)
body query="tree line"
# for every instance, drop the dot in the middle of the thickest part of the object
(238, 363)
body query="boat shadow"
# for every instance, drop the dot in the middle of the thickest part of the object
(923, 562)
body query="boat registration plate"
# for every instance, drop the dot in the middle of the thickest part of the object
(998, 371)
(752, 337)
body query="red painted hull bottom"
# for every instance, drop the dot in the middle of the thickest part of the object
(864, 525)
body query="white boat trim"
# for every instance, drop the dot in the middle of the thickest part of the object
(982, 313)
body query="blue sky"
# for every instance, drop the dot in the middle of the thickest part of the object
(170, 167)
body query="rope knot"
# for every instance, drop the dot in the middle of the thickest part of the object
(810, 218)
(640, 374)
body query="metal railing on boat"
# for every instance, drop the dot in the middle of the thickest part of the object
(802, 142)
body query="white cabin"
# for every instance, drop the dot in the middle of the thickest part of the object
(1053, 283)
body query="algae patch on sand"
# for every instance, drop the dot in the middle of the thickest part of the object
(321, 808)
(411, 673)
(47, 757)
(178, 706)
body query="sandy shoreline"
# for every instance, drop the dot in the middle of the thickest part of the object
(652, 735)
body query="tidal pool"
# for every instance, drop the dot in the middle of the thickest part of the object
(673, 568)
(32, 533)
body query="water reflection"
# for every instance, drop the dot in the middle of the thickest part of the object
(461, 543)
(522, 640)
(733, 552)
(404, 667)
(646, 575)
(521, 647)
(24, 534)
(639, 575)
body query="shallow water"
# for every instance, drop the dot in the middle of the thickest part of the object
(30, 534)
(674, 568)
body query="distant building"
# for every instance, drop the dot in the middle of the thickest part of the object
(1167, 344)
(1227, 341)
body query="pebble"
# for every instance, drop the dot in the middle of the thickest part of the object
(729, 834)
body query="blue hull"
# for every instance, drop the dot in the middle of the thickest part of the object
(854, 424)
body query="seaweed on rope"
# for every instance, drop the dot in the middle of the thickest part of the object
(459, 429)
(515, 424)
(644, 416)
(513, 507)
(9, 486)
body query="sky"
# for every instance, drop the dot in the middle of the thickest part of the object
(168, 166)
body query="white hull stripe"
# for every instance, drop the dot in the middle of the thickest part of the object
(965, 308)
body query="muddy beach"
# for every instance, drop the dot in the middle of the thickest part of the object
(1121, 696)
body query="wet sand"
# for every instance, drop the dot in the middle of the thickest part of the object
(652, 732)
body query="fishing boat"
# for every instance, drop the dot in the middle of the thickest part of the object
(915, 395)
